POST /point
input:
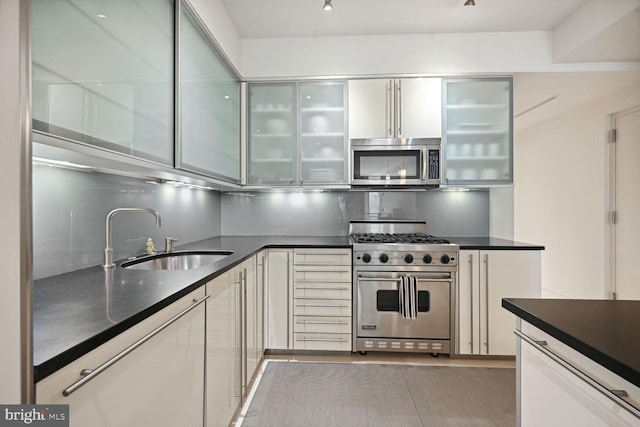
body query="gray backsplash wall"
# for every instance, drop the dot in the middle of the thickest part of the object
(329, 213)
(70, 208)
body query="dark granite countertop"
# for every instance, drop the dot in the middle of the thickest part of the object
(492, 243)
(605, 331)
(74, 313)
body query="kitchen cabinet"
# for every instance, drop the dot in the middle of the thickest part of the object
(209, 106)
(395, 108)
(484, 278)
(279, 307)
(297, 133)
(560, 387)
(233, 340)
(478, 131)
(322, 296)
(117, 92)
(151, 374)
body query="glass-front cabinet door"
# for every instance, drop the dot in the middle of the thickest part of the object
(478, 131)
(297, 133)
(102, 74)
(209, 109)
(272, 139)
(322, 133)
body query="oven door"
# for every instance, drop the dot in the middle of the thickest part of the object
(378, 307)
(394, 165)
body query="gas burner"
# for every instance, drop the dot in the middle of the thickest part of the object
(421, 238)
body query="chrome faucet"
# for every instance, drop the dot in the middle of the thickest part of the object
(108, 252)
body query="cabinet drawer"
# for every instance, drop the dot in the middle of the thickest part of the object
(322, 324)
(322, 290)
(322, 257)
(596, 372)
(321, 307)
(335, 342)
(322, 273)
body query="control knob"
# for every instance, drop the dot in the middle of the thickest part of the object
(408, 258)
(383, 258)
(445, 259)
(426, 259)
(366, 258)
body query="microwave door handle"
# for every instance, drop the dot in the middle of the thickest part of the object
(424, 163)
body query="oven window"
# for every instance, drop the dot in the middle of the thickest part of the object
(394, 164)
(387, 300)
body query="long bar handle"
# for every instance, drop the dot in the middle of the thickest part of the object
(614, 395)
(397, 279)
(90, 374)
(320, 322)
(329, 269)
(471, 296)
(388, 117)
(323, 339)
(344, 288)
(322, 305)
(399, 107)
(486, 298)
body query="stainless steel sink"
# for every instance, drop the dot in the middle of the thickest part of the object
(176, 260)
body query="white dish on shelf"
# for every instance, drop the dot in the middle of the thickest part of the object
(276, 125)
(318, 123)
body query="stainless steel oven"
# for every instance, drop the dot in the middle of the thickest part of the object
(396, 162)
(389, 315)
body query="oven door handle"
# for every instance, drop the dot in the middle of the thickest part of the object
(397, 279)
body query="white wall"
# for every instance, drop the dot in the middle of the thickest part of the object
(562, 194)
(10, 214)
(219, 23)
(406, 54)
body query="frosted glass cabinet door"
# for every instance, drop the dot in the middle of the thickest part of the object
(272, 136)
(322, 133)
(103, 74)
(209, 140)
(478, 131)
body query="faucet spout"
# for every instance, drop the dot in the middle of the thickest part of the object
(108, 251)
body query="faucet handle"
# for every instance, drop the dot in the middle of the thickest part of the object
(168, 243)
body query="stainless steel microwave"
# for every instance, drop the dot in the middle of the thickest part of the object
(396, 162)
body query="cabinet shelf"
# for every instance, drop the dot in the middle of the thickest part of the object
(472, 132)
(323, 135)
(271, 111)
(269, 160)
(323, 159)
(476, 106)
(271, 135)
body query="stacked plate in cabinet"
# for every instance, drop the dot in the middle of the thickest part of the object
(322, 299)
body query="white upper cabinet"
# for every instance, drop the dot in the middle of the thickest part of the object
(395, 108)
(478, 126)
(296, 134)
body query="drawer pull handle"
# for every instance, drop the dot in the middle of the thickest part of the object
(322, 289)
(540, 342)
(89, 374)
(620, 393)
(322, 305)
(319, 322)
(323, 339)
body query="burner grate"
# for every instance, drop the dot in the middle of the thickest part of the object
(398, 238)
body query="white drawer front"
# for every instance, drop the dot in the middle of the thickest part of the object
(323, 273)
(321, 307)
(322, 256)
(322, 290)
(321, 324)
(334, 342)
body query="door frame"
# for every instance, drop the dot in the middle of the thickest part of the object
(610, 230)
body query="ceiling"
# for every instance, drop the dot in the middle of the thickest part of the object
(585, 31)
(305, 18)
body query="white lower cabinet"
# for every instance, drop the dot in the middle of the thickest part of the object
(484, 278)
(156, 378)
(322, 299)
(278, 307)
(559, 387)
(234, 339)
(309, 299)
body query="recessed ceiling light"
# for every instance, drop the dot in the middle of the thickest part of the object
(327, 5)
(470, 3)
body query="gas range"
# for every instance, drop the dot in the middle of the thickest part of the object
(398, 267)
(400, 244)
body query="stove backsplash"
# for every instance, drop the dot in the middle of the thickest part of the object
(329, 213)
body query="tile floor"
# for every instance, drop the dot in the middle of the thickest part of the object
(375, 357)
